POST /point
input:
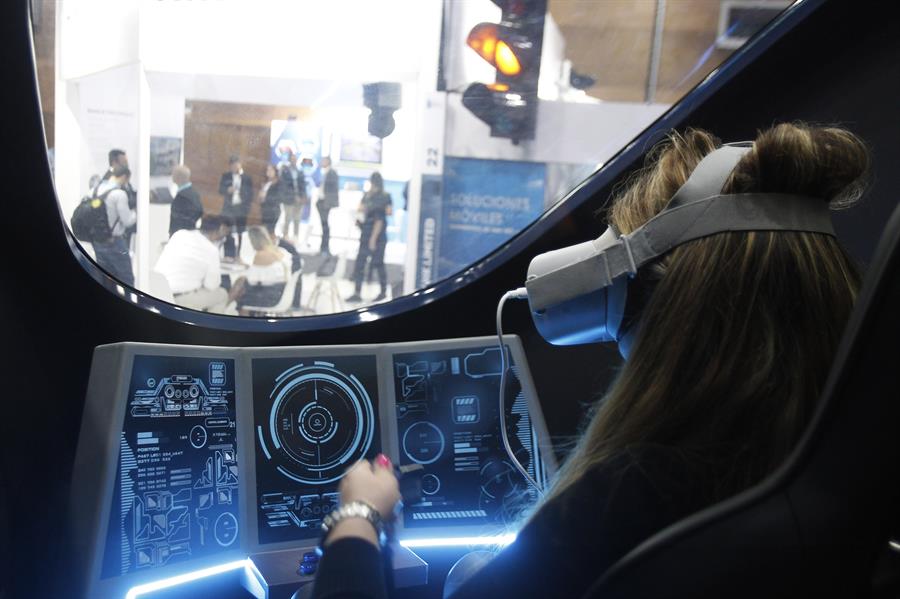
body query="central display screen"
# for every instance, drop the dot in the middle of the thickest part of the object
(176, 489)
(447, 405)
(313, 418)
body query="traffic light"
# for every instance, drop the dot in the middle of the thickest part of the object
(507, 112)
(513, 47)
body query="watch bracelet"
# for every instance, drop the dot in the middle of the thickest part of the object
(354, 509)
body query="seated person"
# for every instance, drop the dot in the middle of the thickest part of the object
(296, 260)
(248, 251)
(229, 251)
(728, 342)
(267, 275)
(190, 263)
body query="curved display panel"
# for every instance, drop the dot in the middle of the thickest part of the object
(176, 492)
(313, 419)
(192, 457)
(447, 417)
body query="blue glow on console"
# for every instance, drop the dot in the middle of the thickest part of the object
(172, 581)
(497, 540)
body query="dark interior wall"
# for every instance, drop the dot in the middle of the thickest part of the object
(839, 66)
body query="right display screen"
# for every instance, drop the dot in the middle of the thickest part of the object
(447, 405)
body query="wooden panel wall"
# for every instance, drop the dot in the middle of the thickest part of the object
(213, 131)
(45, 58)
(689, 51)
(610, 40)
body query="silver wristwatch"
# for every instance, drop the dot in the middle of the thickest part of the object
(354, 509)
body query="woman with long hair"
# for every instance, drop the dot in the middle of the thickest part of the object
(268, 272)
(734, 337)
(373, 211)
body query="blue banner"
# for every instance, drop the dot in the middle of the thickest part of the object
(481, 205)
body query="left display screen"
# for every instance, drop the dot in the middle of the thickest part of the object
(176, 488)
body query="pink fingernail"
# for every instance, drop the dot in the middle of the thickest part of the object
(383, 460)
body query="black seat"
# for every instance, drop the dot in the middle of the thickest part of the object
(817, 526)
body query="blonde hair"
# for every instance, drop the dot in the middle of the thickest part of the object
(259, 238)
(736, 331)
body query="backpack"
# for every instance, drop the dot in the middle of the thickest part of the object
(90, 222)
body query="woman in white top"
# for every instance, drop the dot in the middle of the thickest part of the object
(269, 271)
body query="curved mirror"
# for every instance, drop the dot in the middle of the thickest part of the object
(290, 158)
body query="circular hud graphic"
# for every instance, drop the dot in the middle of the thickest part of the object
(423, 443)
(321, 421)
(498, 479)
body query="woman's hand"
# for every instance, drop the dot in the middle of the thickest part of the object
(374, 484)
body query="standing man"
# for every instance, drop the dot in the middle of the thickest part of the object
(293, 188)
(328, 199)
(237, 194)
(116, 158)
(186, 207)
(112, 254)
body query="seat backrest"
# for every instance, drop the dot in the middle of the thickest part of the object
(247, 251)
(287, 296)
(328, 267)
(816, 526)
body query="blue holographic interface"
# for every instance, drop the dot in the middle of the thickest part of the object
(313, 417)
(176, 487)
(447, 421)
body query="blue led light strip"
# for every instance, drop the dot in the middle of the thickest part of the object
(143, 589)
(498, 540)
(150, 587)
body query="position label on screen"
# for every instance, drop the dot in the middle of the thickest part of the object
(176, 489)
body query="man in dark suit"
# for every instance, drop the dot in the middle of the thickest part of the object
(186, 207)
(237, 194)
(293, 194)
(328, 199)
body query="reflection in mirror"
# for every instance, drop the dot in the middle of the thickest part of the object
(279, 158)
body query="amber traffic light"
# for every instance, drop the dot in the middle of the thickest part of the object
(485, 39)
(513, 47)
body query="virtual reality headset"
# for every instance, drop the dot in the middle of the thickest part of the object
(578, 294)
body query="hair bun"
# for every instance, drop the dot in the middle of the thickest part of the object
(825, 162)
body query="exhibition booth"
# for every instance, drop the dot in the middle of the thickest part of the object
(194, 83)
